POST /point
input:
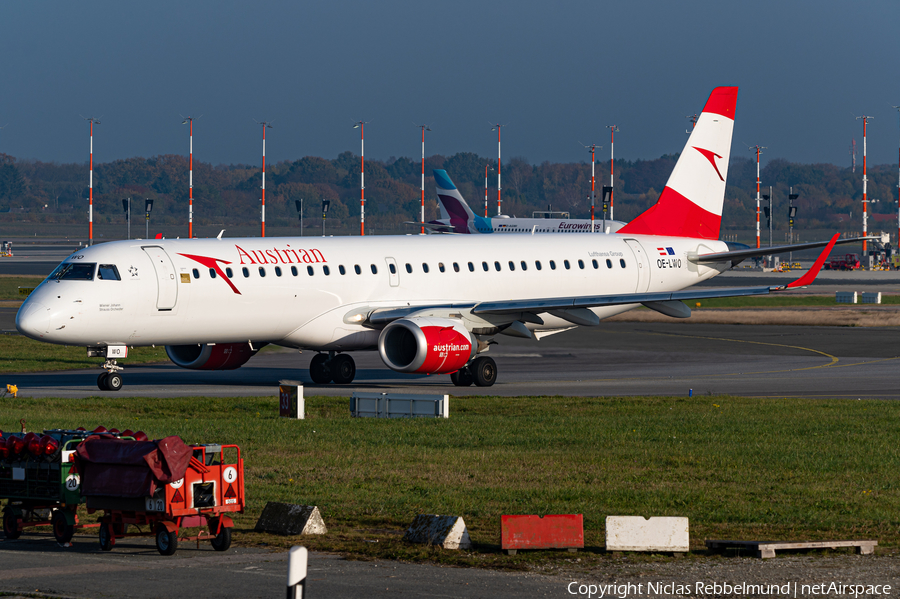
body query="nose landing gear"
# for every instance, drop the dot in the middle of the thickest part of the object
(110, 380)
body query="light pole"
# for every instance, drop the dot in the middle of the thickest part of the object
(593, 148)
(265, 125)
(693, 119)
(497, 129)
(299, 204)
(424, 129)
(758, 150)
(612, 156)
(148, 206)
(189, 120)
(792, 213)
(325, 205)
(865, 120)
(92, 121)
(361, 125)
(897, 244)
(487, 167)
(126, 204)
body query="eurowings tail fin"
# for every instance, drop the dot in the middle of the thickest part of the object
(453, 206)
(691, 203)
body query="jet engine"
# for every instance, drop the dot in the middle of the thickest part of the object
(426, 345)
(219, 356)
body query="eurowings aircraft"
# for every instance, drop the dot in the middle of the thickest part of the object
(457, 217)
(428, 304)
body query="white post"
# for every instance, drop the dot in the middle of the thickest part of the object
(298, 559)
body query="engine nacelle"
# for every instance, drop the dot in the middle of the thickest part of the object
(221, 356)
(426, 345)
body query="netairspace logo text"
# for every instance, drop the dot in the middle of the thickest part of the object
(700, 589)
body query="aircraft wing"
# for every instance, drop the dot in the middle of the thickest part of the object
(736, 256)
(436, 227)
(575, 309)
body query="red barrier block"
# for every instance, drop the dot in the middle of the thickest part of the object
(563, 531)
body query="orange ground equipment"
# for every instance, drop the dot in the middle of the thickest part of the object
(164, 486)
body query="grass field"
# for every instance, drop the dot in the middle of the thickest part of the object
(21, 354)
(738, 468)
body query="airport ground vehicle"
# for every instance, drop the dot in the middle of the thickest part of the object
(845, 262)
(37, 480)
(162, 488)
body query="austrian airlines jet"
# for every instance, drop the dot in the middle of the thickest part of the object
(428, 304)
(457, 217)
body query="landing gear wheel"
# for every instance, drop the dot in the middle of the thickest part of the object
(166, 542)
(462, 377)
(62, 530)
(101, 381)
(484, 370)
(319, 371)
(343, 369)
(11, 525)
(114, 381)
(107, 540)
(223, 540)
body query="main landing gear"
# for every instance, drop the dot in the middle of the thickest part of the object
(325, 368)
(110, 380)
(482, 371)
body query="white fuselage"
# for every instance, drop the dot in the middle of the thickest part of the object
(278, 290)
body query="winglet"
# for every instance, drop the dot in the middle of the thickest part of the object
(813, 272)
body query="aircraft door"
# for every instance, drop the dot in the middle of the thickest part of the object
(643, 265)
(393, 272)
(167, 282)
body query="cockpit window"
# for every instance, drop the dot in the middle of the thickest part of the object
(108, 272)
(74, 271)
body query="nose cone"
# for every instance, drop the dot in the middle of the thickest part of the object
(33, 320)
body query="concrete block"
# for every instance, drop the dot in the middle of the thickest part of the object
(448, 532)
(556, 531)
(845, 297)
(291, 519)
(636, 533)
(871, 297)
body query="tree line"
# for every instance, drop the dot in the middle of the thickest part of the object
(829, 196)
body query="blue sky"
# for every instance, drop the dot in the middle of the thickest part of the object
(554, 73)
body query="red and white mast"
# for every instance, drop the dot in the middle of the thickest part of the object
(265, 125)
(190, 121)
(758, 152)
(897, 244)
(612, 157)
(92, 121)
(593, 148)
(424, 129)
(497, 129)
(361, 125)
(865, 120)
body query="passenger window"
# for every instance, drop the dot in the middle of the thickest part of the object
(622, 262)
(294, 270)
(566, 264)
(342, 270)
(409, 267)
(524, 265)
(594, 262)
(552, 265)
(245, 272)
(393, 269)
(471, 267)
(262, 271)
(537, 264)
(455, 267)
(196, 273)
(108, 272)
(374, 270)
(496, 266)
(309, 270)
(277, 271)
(581, 264)
(326, 270)
(608, 263)
(484, 266)
(229, 273)
(424, 267)
(212, 273)
(357, 269)
(441, 266)
(512, 265)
